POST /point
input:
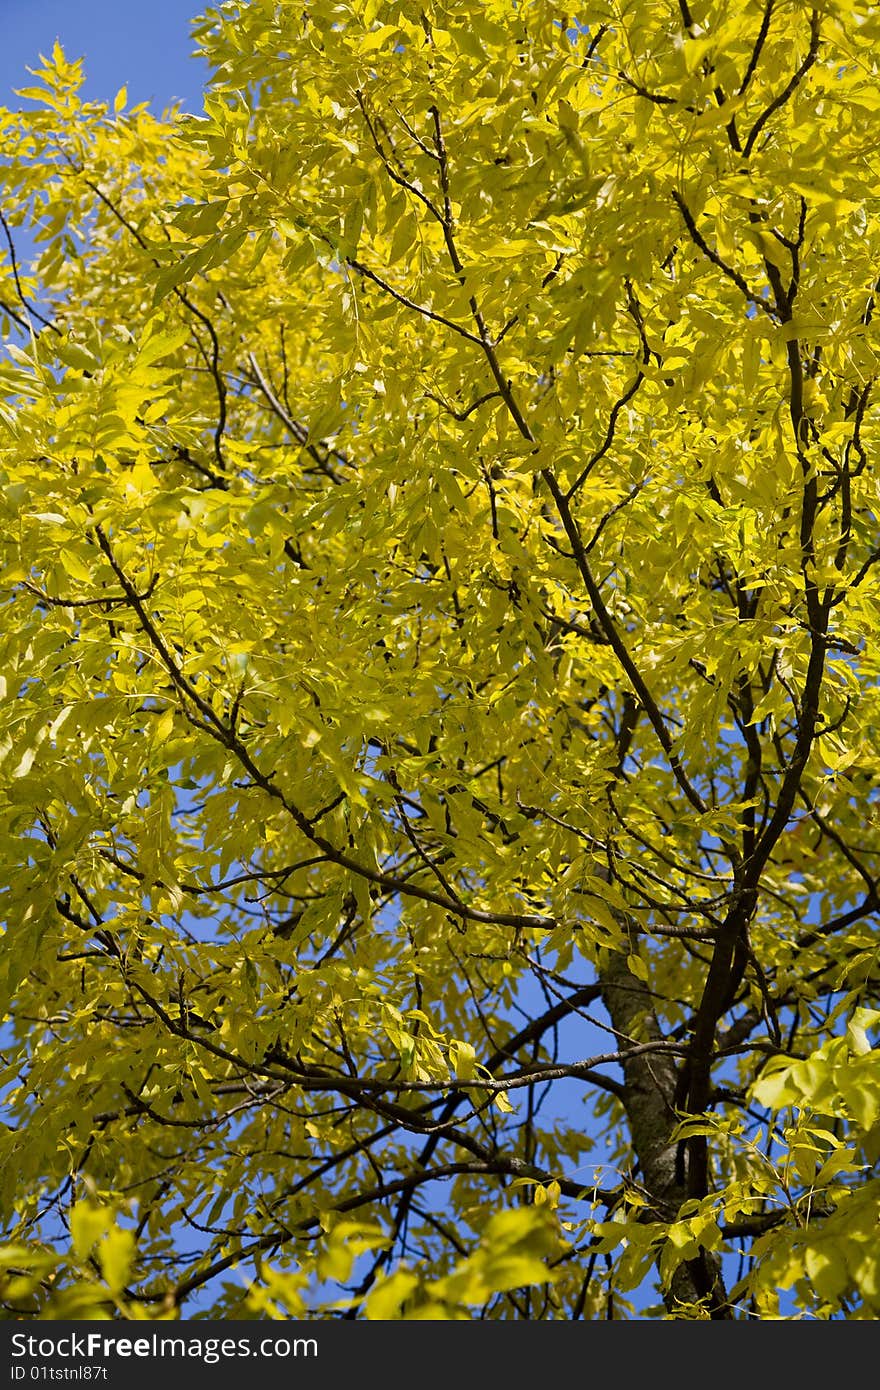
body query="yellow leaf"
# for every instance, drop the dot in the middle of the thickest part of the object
(87, 1224)
(637, 967)
(115, 1256)
(385, 1300)
(163, 726)
(74, 566)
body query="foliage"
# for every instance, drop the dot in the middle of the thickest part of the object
(439, 829)
(84, 1282)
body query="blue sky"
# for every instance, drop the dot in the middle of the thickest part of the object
(143, 44)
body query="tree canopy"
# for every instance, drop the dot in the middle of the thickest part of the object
(439, 844)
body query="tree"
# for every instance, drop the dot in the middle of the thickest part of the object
(440, 835)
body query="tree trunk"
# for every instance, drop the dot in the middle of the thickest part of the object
(650, 1081)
